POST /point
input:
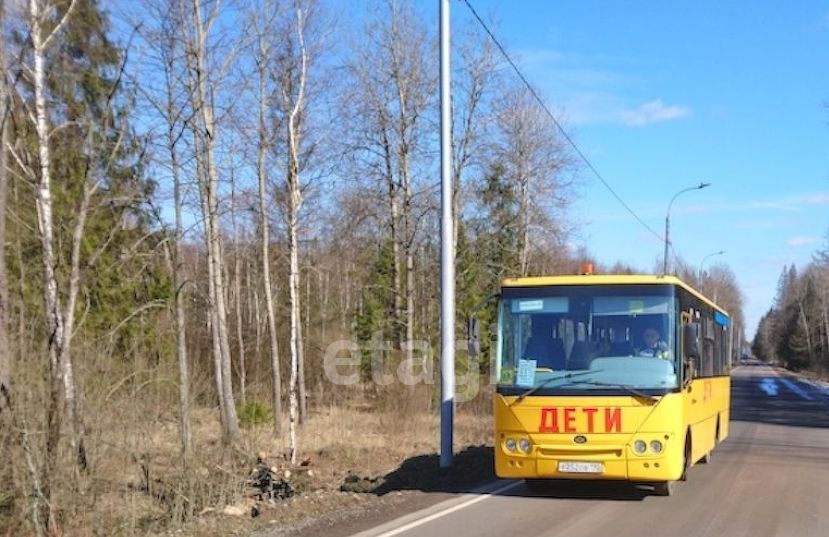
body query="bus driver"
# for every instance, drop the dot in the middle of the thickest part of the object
(654, 346)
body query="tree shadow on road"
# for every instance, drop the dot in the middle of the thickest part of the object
(473, 468)
(470, 468)
(751, 403)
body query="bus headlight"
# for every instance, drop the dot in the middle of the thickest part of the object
(639, 447)
(524, 445)
(656, 446)
(509, 443)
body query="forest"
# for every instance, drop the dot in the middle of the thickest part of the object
(199, 198)
(794, 332)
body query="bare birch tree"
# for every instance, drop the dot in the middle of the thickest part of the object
(263, 27)
(293, 97)
(60, 315)
(203, 78)
(237, 290)
(60, 320)
(393, 84)
(373, 148)
(93, 133)
(170, 103)
(474, 76)
(535, 161)
(409, 48)
(290, 71)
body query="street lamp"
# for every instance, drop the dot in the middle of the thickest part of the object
(701, 263)
(668, 223)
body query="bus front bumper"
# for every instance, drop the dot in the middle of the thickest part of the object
(597, 457)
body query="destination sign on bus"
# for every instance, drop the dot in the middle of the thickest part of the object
(580, 419)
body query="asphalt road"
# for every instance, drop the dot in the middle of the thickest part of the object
(769, 478)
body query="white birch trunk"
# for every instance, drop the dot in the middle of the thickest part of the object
(264, 229)
(269, 309)
(256, 318)
(293, 283)
(211, 285)
(59, 368)
(294, 203)
(237, 291)
(303, 403)
(212, 231)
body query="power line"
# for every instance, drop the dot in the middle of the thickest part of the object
(557, 124)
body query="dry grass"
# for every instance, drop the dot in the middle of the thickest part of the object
(373, 443)
(136, 485)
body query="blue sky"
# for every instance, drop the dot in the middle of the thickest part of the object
(664, 95)
(661, 95)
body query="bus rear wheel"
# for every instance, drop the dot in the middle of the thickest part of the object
(707, 457)
(665, 488)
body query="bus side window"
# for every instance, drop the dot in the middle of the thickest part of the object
(708, 357)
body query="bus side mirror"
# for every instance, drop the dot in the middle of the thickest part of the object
(690, 351)
(473, 331)
(690, 340)
(687, 371)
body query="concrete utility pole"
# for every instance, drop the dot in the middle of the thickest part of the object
(447, 254)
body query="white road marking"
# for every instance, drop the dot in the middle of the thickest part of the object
(796, 389)
(819, 386)
(434, 516)
(769, 386)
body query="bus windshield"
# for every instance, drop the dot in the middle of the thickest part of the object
(588, 337)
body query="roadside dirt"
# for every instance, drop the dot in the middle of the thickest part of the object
(357, 466)
(416, 484)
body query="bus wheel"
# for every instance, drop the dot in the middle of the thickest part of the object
(686, 460)
(665, 488)
(707, 457)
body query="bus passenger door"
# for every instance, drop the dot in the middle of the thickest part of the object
(692, 384)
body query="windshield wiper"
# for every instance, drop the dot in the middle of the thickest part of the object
(548, 381)
(633, 391)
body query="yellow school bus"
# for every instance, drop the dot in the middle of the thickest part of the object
(585, 390)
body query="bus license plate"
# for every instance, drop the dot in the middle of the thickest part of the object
(580, 467)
